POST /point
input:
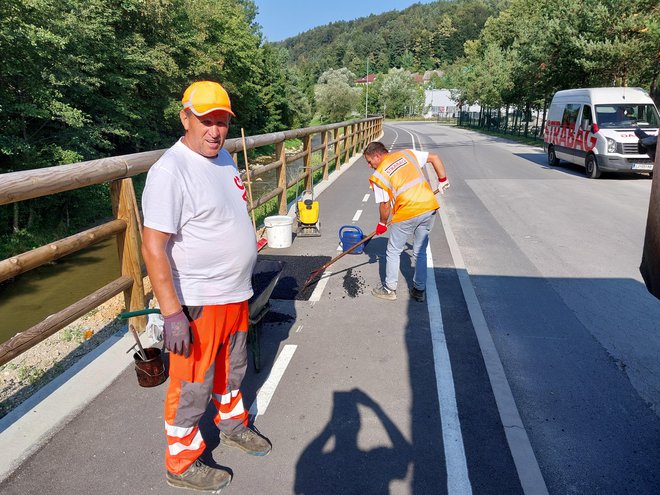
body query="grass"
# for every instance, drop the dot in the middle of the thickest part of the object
(73, 334)
(29, 374)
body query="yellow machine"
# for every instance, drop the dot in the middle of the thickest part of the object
(308, 215)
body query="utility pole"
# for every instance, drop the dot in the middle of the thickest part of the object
(366, 98)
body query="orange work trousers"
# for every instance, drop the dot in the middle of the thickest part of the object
(214, 370)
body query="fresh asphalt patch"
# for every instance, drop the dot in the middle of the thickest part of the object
(297, 270)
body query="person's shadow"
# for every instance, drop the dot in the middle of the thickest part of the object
(333, 461)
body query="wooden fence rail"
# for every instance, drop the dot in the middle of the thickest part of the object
(126, 225)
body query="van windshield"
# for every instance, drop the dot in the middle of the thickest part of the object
(627, 115)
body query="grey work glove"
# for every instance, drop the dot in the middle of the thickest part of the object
(176, 333)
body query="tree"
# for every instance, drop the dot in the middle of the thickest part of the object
(336, 95)
(83, 79)
(399, 94)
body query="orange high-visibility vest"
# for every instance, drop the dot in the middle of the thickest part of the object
(401, 176)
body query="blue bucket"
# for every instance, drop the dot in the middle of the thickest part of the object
(350, 235)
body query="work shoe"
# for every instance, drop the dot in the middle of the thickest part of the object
(418, 294)
(248, 441)
(384, 293)
(200, 477)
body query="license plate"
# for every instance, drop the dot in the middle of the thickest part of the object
(642, 166)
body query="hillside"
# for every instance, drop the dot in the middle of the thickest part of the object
(421, 37)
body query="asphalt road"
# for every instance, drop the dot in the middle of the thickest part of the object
(553, 258)
(364, 396)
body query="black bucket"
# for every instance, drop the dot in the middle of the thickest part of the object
(152, 371)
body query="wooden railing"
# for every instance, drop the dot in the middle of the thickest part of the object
(126, 225)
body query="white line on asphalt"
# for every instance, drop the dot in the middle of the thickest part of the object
(357, 215)
(527, 466)
(339, 247)
(366, 198)
(318, 290)
(412, 136)
(299, 329)
(458, 481)
(395, 138)
(267, 391)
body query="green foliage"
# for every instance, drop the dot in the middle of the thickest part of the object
(419, 38)
(548, 45)
(84, 79)
(398, 94)
(336, 95)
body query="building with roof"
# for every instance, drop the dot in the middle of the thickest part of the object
(368, 79)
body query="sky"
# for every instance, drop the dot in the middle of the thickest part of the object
(281, 19)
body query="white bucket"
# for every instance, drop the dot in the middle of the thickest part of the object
(279, 231)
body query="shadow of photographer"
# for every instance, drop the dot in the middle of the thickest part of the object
(334, 462)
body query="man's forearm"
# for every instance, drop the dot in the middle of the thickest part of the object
(160, 271)
(384, 210)
(438, 166)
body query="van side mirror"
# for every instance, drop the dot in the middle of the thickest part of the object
(585, 125)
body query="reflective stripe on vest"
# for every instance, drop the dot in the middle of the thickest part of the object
(401, 176)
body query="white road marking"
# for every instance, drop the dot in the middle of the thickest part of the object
(339, 247)
(458, 481)
(529, 473)
(318, 290)
(357, 215)
(267, 390)
(524, 458)
(412, 136)
(366, 198)
(299, 329)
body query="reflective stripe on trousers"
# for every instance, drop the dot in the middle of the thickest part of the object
(186, 401)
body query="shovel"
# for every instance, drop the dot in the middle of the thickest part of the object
(318, 271)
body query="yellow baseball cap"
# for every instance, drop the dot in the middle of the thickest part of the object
(204, 97)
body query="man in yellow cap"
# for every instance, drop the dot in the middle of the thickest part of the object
(200, 250)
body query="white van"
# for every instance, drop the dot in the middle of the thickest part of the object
(595, 127)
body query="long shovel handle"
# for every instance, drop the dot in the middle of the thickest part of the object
(316, 272)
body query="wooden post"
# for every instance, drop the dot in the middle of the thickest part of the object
(280, 153)
(337, 148)
(364, 135)
(347, 144)
(326, 156)
(128, 245)
(308, 162)
(249, 182)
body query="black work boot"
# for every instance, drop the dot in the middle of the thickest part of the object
(248, 441)
(418, 294)
(200, 477)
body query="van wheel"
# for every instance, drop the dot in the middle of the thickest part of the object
(553, 161)
(591, 166)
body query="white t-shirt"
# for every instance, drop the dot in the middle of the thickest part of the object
(202, 203)
(380, 195)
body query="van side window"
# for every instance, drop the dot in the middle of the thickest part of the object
(570, 115)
